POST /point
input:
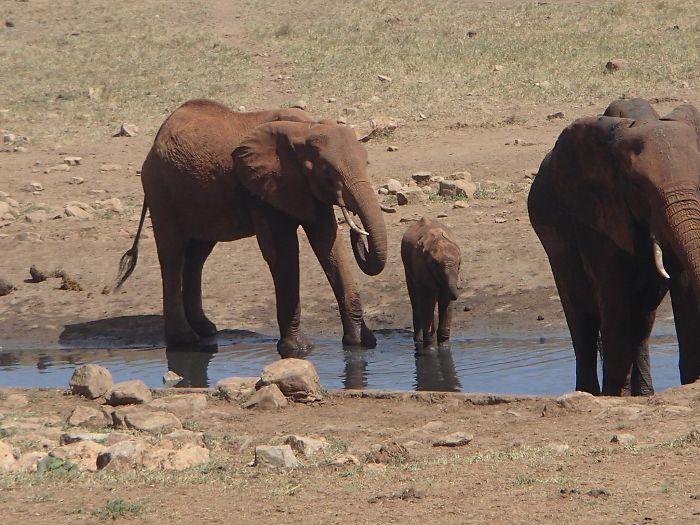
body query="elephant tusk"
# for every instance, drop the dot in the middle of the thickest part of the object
(351, 223)
(387, 209)
(659, 261)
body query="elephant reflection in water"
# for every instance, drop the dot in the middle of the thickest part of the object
(191, 363)
(435, 369)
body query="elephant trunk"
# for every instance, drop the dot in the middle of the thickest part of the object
(682, 211)
(452, 287)
(361, 199)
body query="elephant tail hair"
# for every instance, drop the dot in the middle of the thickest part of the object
(128, 260)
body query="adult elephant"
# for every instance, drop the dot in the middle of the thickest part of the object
(216, 175)
(615, 205)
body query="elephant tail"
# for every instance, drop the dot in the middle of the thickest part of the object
(128, 260)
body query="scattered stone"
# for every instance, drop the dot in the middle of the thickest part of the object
(236, 388)
(422, 177)
(82, 453)
(411, 196)
(384, 78)
(383, 191)
(342, 460)
(404, 495)
(471, 33)
(596, 493)
(392, 148)
(393, 186)
(578, 401)
(350, 111)
(182, 438)
(615, 65)
(374, 467)
(457, 188)
(129, 392)
(299, 104)
(9, 138)
(35, 186)
(170, 378)
(112, 204)
(74, 437)
(544, 84)
(500, 220)
(168, 459)
(110, 167)
(79, 210)
(6, 288)
(458, 439)
(498, 67)
(38, 276)
(36, 217)
(72, 161)
(125, 455)
(331, 100)
(28, 236)
(126, 130)
(280, 456)
(375, 127)
(28, 462)
(559, 448)
(269, 397)
(623, 439)
(153, 422)
(388, 453)
(555, 115)
(76, 180)
(88, 417)
(306, 446)
(91, 381)
(442, 215)
(296, 378)
(182, 405)
(67, 283)
(8, 458)
(622, 412)
(59, 167)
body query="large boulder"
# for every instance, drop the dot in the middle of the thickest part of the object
(269, 397)
(129, 393)
(88, 417)
(151, 421)
(280, 456)
(296, 378)
(91, 381)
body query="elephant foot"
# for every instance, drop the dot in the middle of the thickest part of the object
(294, 347)
(181, 337)
(365, 338)
(203, 326)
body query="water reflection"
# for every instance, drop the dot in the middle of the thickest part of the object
(435, 369)
(192, 364)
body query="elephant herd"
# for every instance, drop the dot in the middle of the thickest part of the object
(615, 205)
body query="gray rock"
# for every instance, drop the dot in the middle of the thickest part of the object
(36, 217)
(6, 288)
(280, 456)
(112, 204)
(422, 177)
(269, 397)
(623, 439)
(82, 453)
(350, 111)
(180, 459)
(125, 455)
(393, 186)
(76, 180)
(307, 446)
(181, 438)
(296, 378)
(457, 188)
(183, 405)
(384, 78)
(383, 191)
(8, 458)
(35, 186)
(461, 175)
(74, 437)
(392, 148)
(236, 388)
(299, 104)
(129, 392)
(88, 417)
(458, 439)
(110, 167)
(72, 161)
(91, 381)
(73, 210)
(153, 422)
(615, 65)
(170, 378)
(411, 196)
(342, 460)
(27, 462)
(58, 167)
(126, 130)
(578, 401)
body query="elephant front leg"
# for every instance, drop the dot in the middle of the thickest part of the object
(332, 255)
(195, 256)
(445, 309)
(277, 238)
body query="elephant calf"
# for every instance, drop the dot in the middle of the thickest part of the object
(431, 261)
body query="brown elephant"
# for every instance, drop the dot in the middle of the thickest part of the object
(216, 175)
(431, 260)
(615, 205)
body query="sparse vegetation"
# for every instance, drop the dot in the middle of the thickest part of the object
(117, 508)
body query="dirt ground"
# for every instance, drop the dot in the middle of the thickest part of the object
(516, 470)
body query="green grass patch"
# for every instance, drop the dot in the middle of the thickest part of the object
(117, 508)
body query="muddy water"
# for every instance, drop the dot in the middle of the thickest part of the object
(503, 363)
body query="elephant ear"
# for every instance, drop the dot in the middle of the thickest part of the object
(687, 114)
(269, 167)
(588, 177)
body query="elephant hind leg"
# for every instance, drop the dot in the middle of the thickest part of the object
(196, 254)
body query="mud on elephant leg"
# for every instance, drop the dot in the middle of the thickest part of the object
(332, 255)
(277, 238)
(195, 255)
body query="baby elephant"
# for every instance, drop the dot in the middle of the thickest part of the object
(431, 261)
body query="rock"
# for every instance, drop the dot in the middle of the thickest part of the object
(126, 130)
(393, 186)
(59, 167)
(461, 175)
(422, 177)
(374, 467)
(82, 453)
(615, 65)
(75, 210)
(8, 458)
(596, 493)
(577, 401)
(112, 204)
(411, 196)
(170, 378)
(458, 439)
(442, 215)
(623, 439)
(307, 446)
(110, 167)
(498, 67)
(236, 388)
(181, 438)
(74, 437)
(91, 381)
(125, 455)
(28, 462)
(296, 378)
(269, 397)
(36, 217)
(384, 78)
(389, 453)
(392, 148)
(280, 456)
(558, 448)
(375, 127)
(4, 208)
(6, 288)
(169, 459)
(129, 392)
(151, 421)
(88, 417)
(183, 405)
(383, 191)
(622, 412)
(28, 236)
(342, 460)
(72, 161)
(299, 104)
(35, 186)
(350, 111)
(457, 188)
(556, 115)
(76, 180)
(500, 220)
